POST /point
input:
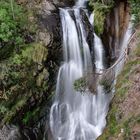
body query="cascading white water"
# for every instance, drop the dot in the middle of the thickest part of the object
(98, 52)
(124, 45)
(74, 116)
(81, 3)
(102, 99)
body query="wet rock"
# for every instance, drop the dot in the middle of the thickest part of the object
(42, 77)
(63, 3)
(45, 38)
(115, 27)
(89, 32)
(27, 79)
(11, 132)
(39, 54)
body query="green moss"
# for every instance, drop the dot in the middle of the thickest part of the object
(99, 24)
(137, 51)
(106, 83)
(12, 28)
(12, 112)
(124, 83)
(127, 129)
(30, 115)
(114, 130)
(135, 8)
(22, 63)
(100, 9)
(113, 124)
(113, 127)
(115, 120)
(80, 84)
(20, 80)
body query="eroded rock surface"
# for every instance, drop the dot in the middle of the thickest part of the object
(115, 26)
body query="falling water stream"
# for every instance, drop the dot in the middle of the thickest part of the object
(74, 116)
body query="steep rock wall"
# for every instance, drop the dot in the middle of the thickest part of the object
(115, 27)
(123, 120)
(27, 78)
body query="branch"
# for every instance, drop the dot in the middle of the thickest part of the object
(12, 9)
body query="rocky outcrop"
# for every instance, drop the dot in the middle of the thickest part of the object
(115, 26)
(10, 132)
(57, 3)
(89, 31)
(123, 120)
(27, 77)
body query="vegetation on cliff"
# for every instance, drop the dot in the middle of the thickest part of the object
(123, 121)
(100, 9)
(135, 8)
(23, 61)
(23, 75)
(13, 24)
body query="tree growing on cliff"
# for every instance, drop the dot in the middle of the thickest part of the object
(135, 10)
(100, 8)
(12, 23)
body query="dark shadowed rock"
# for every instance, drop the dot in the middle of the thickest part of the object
(115, 27)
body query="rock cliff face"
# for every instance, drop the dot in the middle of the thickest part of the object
(123, 120)
(27, 77)
(115, 26)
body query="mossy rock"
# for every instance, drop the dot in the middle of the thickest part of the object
(23, 77)
(122, 121)
(100, 9)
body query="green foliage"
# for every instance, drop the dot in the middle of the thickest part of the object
(105, 2)
(107, 84)
(30, 115)
(100, 8)
(80, 85)
(99, 24)
(137, 51)
(115, 119)
(113, 125)
(19, 78)
(135, 10)
(3, 109)
(22, 69)
(12, 26)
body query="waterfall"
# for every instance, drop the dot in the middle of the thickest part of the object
(124, 45)
(98, 52)
(81, 3)
(74, 116)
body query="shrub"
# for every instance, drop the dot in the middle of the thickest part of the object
(135, 8)
(100, 8)
(80, 85)
(12, 26)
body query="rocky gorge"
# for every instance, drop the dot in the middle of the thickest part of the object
(28, 75)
